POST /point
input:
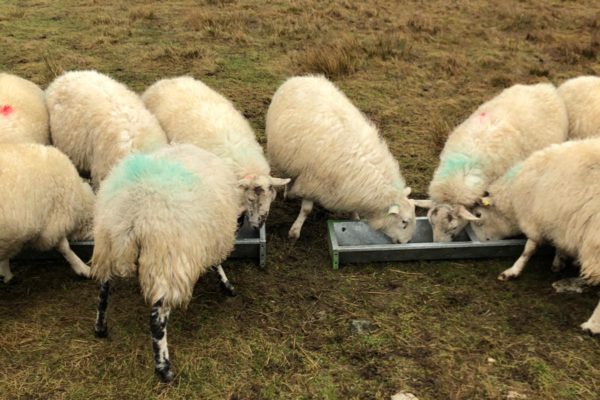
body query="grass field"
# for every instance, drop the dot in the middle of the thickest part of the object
(416, 68)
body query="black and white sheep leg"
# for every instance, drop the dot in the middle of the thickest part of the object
(227, 287)
(101, 328)
(158, 328)
(5, 272)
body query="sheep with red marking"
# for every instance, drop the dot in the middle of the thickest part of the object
(96, 121)
(23, 112)
(499, 134)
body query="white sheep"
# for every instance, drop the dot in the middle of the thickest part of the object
(44, 201)
(96, 121)
(166, 217)
(23, 113)
(191, 112)
(336, 157)
(500, 133)
(582, 99)
(555, 199)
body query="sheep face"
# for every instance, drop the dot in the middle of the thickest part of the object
(398, 222)
(258, 194)
(447, 221)
(491, 224)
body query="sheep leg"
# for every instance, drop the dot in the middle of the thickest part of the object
(592, 325)
(77, 265)
(519, 265)
(355, 216)
(100, 328)
(305, 209)
(158, 328)
(225, 284)
(560, 261)
(5, 272)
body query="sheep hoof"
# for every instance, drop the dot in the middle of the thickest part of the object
(101, 332)
(591, 328)
(228, 289)
(165, 375)
(506, 276)
(294, 234)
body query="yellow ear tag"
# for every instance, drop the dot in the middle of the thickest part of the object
(485, 202)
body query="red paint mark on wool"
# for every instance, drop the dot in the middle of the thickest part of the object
(482, 116)
(6, 110)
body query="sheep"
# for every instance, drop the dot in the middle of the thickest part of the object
(96, 121)
(554, 196)
(336, 157)
(167, 217)
(501, 132)
(44, 201)
(582, 100)
(191, 112)
(23, 113)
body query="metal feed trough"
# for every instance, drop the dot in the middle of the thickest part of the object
(250, 243)
(356, 242)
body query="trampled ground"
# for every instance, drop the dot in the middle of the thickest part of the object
(416, 68)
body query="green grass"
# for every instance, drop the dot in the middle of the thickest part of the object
(416, 69)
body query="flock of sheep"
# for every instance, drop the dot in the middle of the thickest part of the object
(175, 169)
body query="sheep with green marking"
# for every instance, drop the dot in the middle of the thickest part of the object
(499, 134)
(165, 217)
(553, 196)
(23, 113)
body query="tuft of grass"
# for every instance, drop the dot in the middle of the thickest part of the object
(144, 12)
(423, 23)
(336, 59)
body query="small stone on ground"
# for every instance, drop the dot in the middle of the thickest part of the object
(570, 285)
(404, 396)
(515, 395)
(361, 326)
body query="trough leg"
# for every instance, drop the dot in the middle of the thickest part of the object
(73, 259)
(592, 325)
(101, 328)
(355, 216)
(560, 261)
(305, 209)
(5, 272)
(225, 284)
(158, 328)
(519, 265)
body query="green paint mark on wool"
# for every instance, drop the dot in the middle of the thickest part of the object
(514, 171)
(456, 163)
(137, 168)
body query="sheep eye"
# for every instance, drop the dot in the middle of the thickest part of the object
(404, 224)
(477, 214)
(258, 190)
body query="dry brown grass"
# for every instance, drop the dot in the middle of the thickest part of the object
(334, 59)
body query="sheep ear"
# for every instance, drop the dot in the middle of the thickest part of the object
(244, 183)
(406, 191)
(394, 209)
(424, 203)
(464, 213)
(279, 182)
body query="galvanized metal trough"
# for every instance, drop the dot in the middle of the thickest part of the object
(250, 244)
(356, 242)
